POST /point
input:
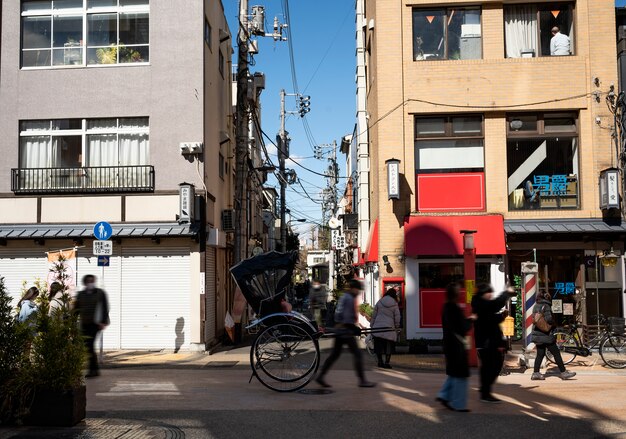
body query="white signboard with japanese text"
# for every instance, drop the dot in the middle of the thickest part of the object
(338, 239)
(102, 248)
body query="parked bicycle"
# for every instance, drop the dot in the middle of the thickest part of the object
(610, 342)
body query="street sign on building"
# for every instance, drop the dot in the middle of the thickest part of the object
(102, 248)
(102, 231)
(338, 239)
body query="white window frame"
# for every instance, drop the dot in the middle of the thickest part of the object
(83, 132)
(84, 12)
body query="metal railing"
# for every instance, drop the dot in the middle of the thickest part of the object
(83, 180)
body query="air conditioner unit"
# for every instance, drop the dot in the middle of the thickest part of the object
(228, 220)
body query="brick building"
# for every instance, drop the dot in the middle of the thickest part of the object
(501, 125)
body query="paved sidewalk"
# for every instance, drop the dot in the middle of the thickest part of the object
(239, 357)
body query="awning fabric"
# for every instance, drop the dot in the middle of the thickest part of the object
(52, 231)
(441, 235)
(371, 254)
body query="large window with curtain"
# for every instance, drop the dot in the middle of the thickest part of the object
(544, 29)
(59, 143)
(447, 33)
(92, 154)
(59, 33)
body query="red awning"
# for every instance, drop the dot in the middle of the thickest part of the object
(371, 254)
(441, 235)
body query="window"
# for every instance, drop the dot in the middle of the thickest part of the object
(108, 142)
(530, 30)
(220, 63)
(449, 163)
(542, 161)
(221, 166)
(207, 33)
(84, 32)
(453, 33)
(445, 144)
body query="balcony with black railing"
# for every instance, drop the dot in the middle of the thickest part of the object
(83, 180)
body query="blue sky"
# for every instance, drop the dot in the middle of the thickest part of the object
(323, 41)
(620, 3)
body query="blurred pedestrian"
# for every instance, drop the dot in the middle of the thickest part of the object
(55, 298)
(545, 339)
(27, 306)
(93, 309)
(318, 296)
(453, 393)
(386, 314)
(346, 318)
(490, 342)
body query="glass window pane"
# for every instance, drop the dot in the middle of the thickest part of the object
(428, 34)
(101, 3)
(134, 54)
(523, 123)
(68, 151)
(68, 31)
(429, 126)
(134, 2)
(100, 124)
(464, 34)
(134, 122)
(102, 150)
(102, 55)
(34, 125)
(467, 125)
(36, 6)
(556, 15)
(560, 124)
(35, 152)
(101, 30)
(36, 32)
(67, 4)
(134, 28)
(36, 58)
(67, 56)
(67, 124)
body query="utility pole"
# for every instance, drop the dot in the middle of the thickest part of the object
(283, 153)
(241, 135)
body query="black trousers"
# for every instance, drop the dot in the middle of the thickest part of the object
(349, 341)
(556, 354)
(491, 361)
(89, 332)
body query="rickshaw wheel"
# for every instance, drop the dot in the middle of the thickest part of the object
(285, 357)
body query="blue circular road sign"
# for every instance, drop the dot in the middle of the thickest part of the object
(102, 230)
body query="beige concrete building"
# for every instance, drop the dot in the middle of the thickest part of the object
(497, 113)
(108, 106)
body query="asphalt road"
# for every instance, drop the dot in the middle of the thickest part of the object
(220, 403)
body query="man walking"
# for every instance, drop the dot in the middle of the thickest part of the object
(346, 317)
(93, 309)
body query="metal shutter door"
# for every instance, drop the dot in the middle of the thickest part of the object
(210, 295)
(108, 278)
(18, 265)
(155, 298)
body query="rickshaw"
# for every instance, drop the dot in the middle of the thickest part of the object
(285, 355)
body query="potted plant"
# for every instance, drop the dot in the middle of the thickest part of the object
(14, 339)
(56, 362)
(366, 310)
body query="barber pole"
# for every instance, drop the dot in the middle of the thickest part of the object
(529, 271)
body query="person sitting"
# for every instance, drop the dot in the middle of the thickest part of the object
(531, 196)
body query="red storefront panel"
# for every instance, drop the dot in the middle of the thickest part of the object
(451, 192)
(431, 303)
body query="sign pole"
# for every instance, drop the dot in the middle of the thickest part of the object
(469, 271)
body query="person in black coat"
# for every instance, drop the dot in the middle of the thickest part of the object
(490, 343)
(453, 394)
(546, 340)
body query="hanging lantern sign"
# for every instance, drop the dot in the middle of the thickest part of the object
(609, 189)
(393, 179)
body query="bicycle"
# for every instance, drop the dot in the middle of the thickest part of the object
(610, 341)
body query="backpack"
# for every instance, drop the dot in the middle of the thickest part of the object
(539, 320)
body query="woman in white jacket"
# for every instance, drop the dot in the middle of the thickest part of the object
(386, 315)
